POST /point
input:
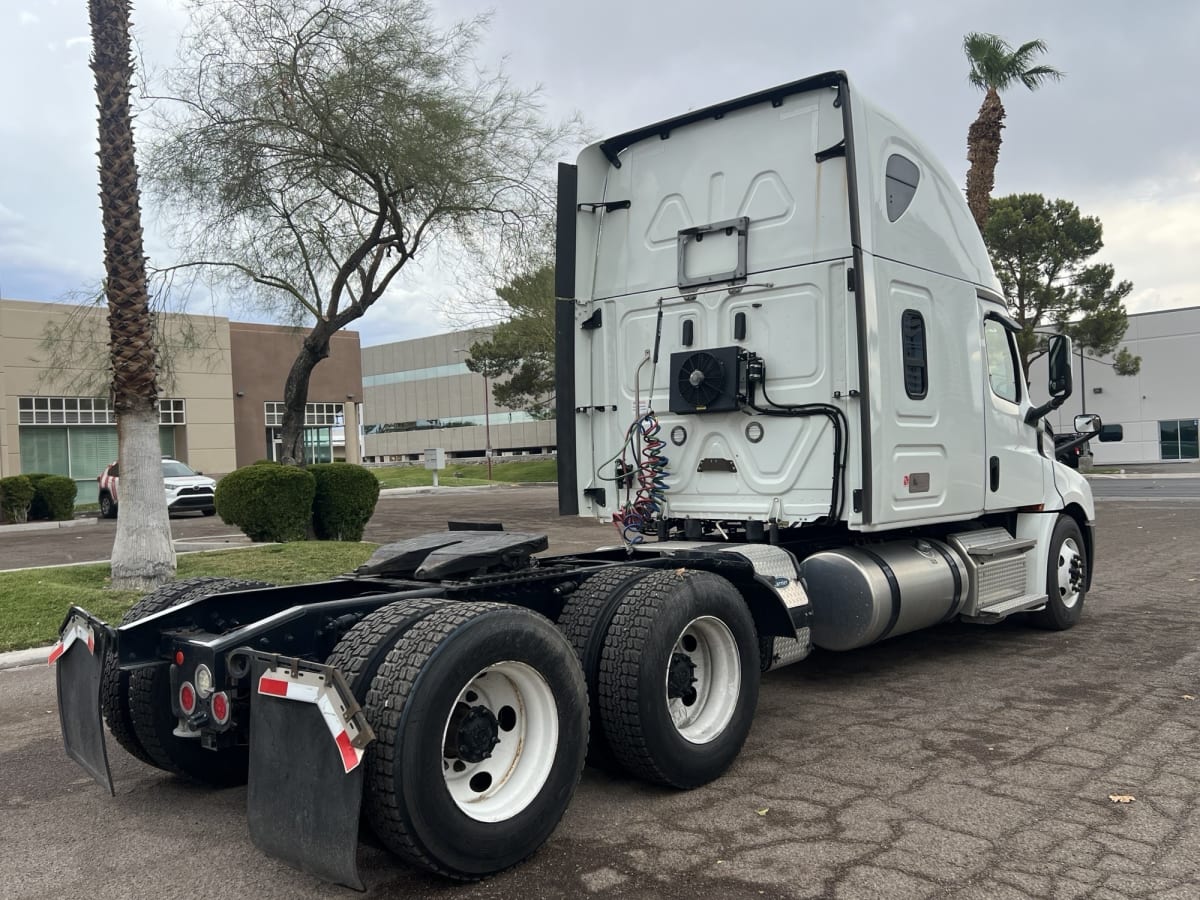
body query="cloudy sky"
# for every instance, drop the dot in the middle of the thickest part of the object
(1120, 136)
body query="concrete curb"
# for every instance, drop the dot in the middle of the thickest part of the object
(45, 526)
(19, 659)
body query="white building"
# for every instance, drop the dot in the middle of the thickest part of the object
(419, 394)
(1159, 407)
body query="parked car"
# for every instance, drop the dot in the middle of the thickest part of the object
(186, 489)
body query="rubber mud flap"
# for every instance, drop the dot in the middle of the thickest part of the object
(302, 805)
(79, 665)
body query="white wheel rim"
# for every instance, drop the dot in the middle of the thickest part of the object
(1068, 558)
(712, 650)
(513, 774)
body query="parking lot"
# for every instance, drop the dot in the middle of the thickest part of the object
(964, 761)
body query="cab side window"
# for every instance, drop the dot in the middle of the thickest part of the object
(1002, 364)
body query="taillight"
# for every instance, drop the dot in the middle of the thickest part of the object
(220, 707)
(187, 698)
(179, 657)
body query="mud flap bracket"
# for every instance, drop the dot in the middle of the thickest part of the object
(78, 658)
(307, 741)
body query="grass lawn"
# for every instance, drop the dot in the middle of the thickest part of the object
(33, 602)
(460, 475)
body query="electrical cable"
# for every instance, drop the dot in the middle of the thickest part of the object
(840, 429)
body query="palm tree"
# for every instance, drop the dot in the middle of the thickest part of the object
(143, 556)
(995, 67)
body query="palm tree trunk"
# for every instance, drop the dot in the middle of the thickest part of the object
(983, 152)
(143, 556)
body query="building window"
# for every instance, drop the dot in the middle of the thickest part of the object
(1179, 439)
(87, 411)
(315, 414)
(171, 412)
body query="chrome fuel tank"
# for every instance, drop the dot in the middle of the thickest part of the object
(865, 594)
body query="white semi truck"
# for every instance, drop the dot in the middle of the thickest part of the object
(787, 376)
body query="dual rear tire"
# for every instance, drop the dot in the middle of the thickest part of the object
(672, 664)
(137, 705)
(480, 717)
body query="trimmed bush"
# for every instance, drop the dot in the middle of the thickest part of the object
(53, 496)
(268, 503)
(16, 494)
(345, 499)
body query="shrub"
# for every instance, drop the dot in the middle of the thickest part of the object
(268, 503)
(53, 496)
(16, 493)
(345, 499)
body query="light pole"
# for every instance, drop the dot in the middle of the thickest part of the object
(487, 419)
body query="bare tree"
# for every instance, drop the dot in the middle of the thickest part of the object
(142, 556)
(310, 149)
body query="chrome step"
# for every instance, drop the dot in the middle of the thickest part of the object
(998, 611)
(1002, 548)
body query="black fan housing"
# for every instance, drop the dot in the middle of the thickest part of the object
(705, 381)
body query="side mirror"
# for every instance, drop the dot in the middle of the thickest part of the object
(1110, 433)
(1088, 423)
(1060, 366)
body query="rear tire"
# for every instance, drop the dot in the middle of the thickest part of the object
(362, 650)
(108, 507)
(114, 684)
(584, 621)
(154, 722)
(679, 678)
(480, 717)
(1066, 575)
(209, 512)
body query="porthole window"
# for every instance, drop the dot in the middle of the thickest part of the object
(901, 185)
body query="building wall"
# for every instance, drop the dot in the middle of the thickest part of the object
(1165, 389)
(262, 356)
(199, 373)
(411, 386)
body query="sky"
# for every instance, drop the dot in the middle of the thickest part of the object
(1119, 136)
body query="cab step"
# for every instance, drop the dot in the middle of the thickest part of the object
(998, 611)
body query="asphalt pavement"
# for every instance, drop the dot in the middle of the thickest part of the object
(962, 761)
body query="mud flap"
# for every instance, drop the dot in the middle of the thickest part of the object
(78, 658)
(307, 740)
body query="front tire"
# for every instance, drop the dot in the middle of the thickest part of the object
(108, 507)
(1066, 577)
(480, 717)
(679, 678)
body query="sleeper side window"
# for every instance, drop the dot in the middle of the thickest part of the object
(916, 360)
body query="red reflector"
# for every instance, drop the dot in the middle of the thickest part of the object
(187, 698)
(179, 657)
(220, 707)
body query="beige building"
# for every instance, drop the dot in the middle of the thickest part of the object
(222, 393)
(420, 394)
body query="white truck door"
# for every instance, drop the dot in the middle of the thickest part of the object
(1013, 468)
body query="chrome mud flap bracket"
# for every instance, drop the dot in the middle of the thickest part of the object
(78, 658)
(308, 738)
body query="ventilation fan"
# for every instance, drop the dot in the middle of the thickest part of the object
(704, 380)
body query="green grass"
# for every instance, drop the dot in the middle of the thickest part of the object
(470, 475)
(33, 602)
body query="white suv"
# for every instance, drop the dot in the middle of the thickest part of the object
(186, 489)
